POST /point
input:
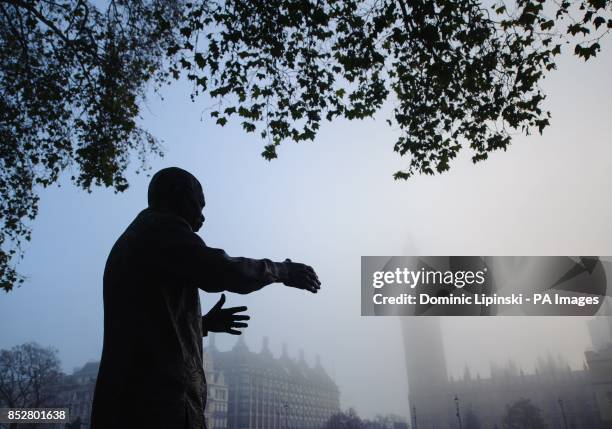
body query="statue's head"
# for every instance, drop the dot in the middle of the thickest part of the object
(174, 190)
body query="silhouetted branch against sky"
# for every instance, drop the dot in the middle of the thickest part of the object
(459, 74)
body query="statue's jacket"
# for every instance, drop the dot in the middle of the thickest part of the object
(151, 371)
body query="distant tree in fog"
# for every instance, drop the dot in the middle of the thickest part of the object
(345, 420)
(389, 421)
(522, 414)
(350, 420)
(28, 375)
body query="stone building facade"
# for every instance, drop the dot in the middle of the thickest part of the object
(274, 393)
(562, 394)
(217, 395)
(76, 393)
(559, 392)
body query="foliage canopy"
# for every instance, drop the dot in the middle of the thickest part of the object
(457, 73)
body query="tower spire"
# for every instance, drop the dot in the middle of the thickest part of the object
(211, 341)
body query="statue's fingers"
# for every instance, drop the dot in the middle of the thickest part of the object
(241, 317)
(314, 279)
(236, 309)
(220, 303)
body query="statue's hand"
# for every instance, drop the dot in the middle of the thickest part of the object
(300, 276)
(224, 319)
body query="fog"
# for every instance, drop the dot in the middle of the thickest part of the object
(327, 203)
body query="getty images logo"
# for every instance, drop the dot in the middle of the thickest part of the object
(414, 278)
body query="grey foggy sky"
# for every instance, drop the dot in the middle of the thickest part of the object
(327, 203)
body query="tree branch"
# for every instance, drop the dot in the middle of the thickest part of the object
(41, 18)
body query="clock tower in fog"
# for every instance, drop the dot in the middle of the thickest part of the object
(428, 388)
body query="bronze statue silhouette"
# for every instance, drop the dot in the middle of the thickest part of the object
(151, 372)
